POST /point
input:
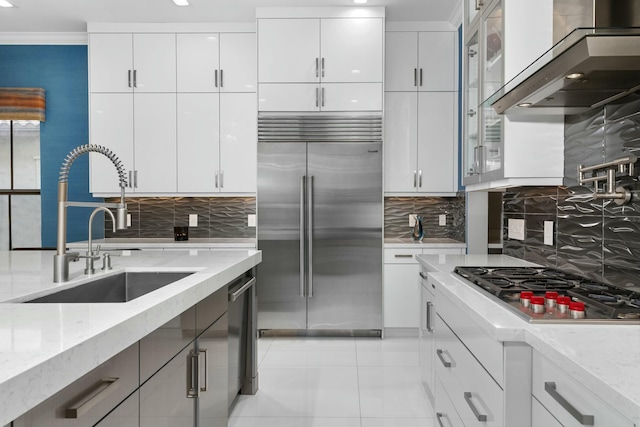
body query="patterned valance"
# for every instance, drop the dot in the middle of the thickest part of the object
(22, 103)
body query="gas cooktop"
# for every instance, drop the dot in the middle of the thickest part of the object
(546, 295)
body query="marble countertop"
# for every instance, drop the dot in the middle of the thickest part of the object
(45, 347)
(603, 358)
(426, 242)
(152, 243)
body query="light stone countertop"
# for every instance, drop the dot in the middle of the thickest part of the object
(432, 242)
(45, 347)
(155, 243)
(603, 358)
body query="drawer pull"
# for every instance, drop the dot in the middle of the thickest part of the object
(428, 315)
(585, 420)
(438, 417)
(403, 256)
(478, 415)
(424, 276)
(444, 362)
(90, 398)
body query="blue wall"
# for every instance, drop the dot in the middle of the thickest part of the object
(62, 71)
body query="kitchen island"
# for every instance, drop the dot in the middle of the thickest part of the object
(603, 359)
(45, 347)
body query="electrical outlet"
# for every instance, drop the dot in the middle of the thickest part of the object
(412, 220)
(548, 233)
(128, 220)
(516, 229)
(193, 220)
(251, 220)
(442, 219)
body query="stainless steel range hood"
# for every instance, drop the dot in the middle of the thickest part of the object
(589, 68)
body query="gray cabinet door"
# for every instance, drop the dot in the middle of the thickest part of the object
(280, 286)
(213, 356)
(345, 288)
(125, 415)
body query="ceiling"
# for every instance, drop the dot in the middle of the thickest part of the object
(72, 15)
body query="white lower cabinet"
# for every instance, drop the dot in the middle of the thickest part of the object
(569, 402)
(445, 412)
(540, 417)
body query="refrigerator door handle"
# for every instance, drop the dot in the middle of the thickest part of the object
(303, 183)
(310, 235)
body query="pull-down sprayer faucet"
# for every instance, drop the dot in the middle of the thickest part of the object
(61, 259)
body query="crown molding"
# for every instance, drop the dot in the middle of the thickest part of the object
(456, 16)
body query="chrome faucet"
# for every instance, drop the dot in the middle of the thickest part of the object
(92, 255)
(61, 259)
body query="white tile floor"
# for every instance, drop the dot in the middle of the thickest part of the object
(336, 382)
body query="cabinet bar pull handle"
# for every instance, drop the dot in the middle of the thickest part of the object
(322, 75)
(135, 179)
(424, 276)
(221, 81)
(215, 73)
(420, 176)
(415, 182)
(303, 184)
(130, 180)
(444, 362)
(129, 77)
(420, 77)
(234, 296)
(310, 235)
(216, 179)
(415, 77)
(438, 417)
(478, 415)
(429, 326)
(221, 179)
(317, 67)
(135, 78)
(317, 97)
(403, 256)
(585, 420)
(479, 4)
(322, 104)
(192, 375)
(91, 397)
(206, 368)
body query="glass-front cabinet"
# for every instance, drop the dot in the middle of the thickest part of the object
(490, 156)
(472, 102)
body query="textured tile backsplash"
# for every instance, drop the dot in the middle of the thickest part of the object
(398, 209)
(218, 217)
(593, 238)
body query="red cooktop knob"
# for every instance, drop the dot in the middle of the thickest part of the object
(551, 295)
(576, 306)
(564, 300)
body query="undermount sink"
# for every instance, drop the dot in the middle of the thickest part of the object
(121, 287)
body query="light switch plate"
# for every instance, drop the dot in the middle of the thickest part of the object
(442, 219)
(251, 220)
(412, 220)
(193, 220)
(516, 229)
(548, 233)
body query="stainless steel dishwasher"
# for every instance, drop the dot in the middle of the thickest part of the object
(242, 315)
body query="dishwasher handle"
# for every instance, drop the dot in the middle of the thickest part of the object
(236, 294)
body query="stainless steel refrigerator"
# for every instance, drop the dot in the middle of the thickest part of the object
(320, 215)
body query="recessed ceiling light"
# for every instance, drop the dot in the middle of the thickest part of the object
(525, 104)
(181, 2)
(359, 1)
(574, 76)
(5, 3)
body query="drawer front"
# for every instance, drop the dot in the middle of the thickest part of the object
(109, 383)
(570, 402)
(446, 415)
(476, 396)
(540, 417)
(401, 256)
(488, 351)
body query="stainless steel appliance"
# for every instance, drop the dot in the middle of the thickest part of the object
(320, 224)
(602, 303)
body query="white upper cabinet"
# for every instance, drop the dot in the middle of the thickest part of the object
(421, 61)
(154, 62)
(111, 62)
(288, 50)
(320, 63)
(216, 62)
(198, 62)
(351, 50)
(238, 66)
